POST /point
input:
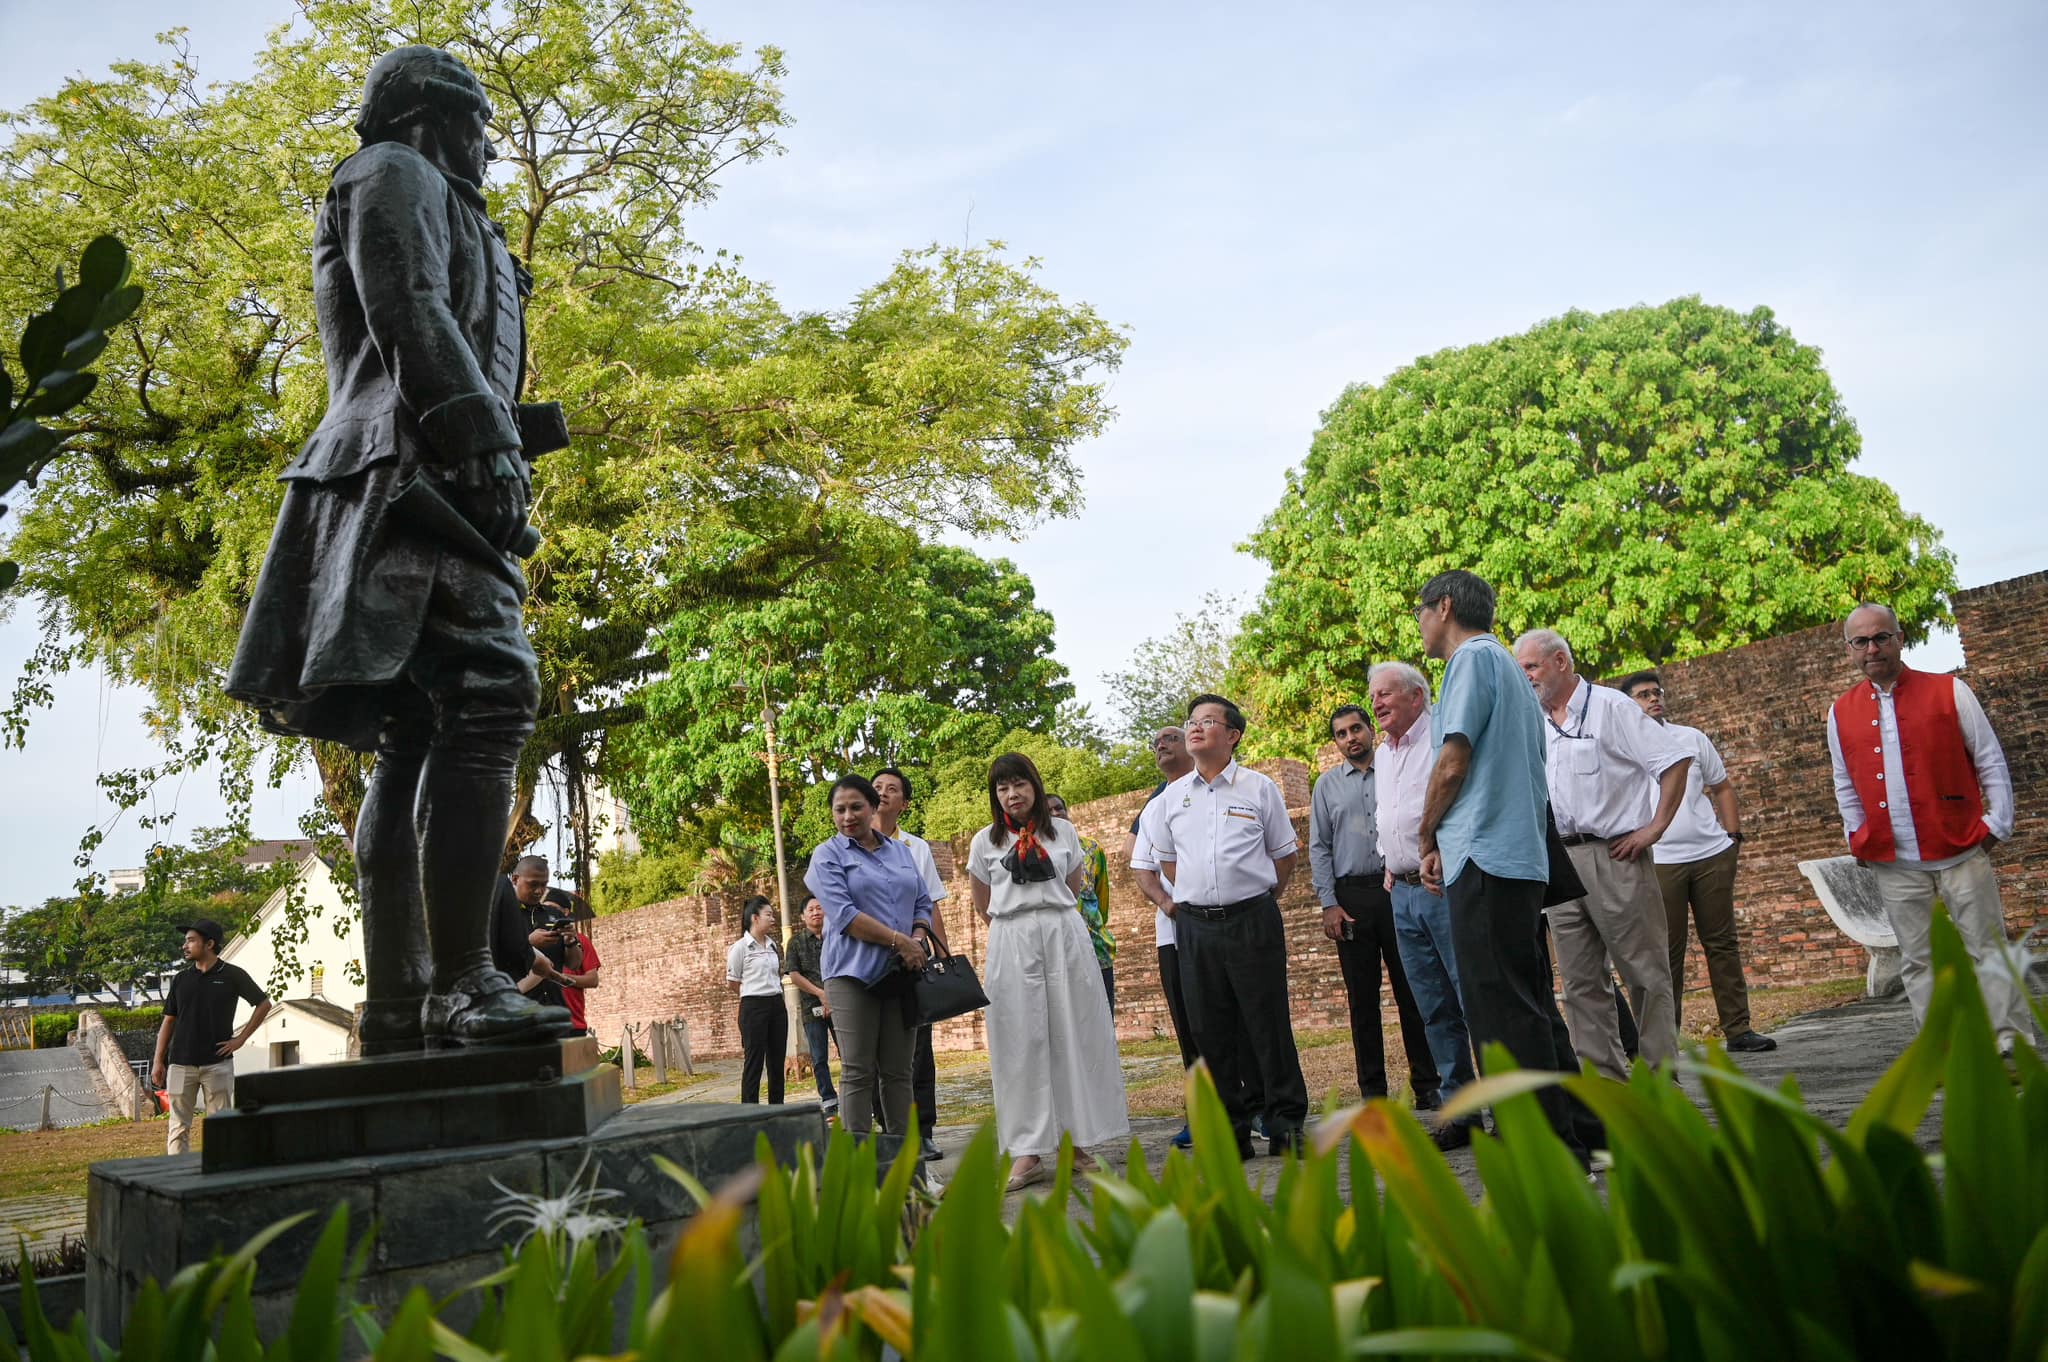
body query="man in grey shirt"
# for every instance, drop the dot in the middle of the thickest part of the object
(1358, 913)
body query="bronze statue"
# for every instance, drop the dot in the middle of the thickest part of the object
(387, 613)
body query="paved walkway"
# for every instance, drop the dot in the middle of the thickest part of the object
(42, 1222)
(25, 1073)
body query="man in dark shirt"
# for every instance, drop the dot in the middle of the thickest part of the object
(517, 935)
(196, 1044)
(804, 964)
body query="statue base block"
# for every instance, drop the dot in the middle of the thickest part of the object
(432, 1208)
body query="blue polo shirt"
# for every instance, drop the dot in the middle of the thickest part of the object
(1497, 818)
(886, 884)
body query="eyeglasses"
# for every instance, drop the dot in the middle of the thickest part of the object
(1206, 723)
(1647, 693)
(1426, 607)
(1866, 641)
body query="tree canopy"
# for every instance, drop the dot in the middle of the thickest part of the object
(727, 451)
(1654, 483)
(1167, 671)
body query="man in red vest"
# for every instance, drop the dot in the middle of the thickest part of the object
(1925, 794)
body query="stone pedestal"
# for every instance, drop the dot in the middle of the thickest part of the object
(539, 1120)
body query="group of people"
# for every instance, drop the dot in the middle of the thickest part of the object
(1453, 848)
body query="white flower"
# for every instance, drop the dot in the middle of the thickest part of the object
(571, 1218)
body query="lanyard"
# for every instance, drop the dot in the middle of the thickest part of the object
(1578, 725)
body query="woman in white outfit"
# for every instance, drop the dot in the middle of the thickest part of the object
(1051, 1044)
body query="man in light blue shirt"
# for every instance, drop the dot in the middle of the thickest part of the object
(1483, 840)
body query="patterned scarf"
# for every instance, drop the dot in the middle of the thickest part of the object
(1027, 862)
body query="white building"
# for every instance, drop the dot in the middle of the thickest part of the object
(312, 1015)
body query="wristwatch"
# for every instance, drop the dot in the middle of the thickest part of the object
(1734, 836)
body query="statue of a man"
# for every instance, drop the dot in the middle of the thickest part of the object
(387, 614)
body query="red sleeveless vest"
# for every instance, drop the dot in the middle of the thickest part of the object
(1941, 781)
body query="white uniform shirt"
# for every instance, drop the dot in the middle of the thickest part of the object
(1404, 764)
(756, 966)
(1222, 836)
(1142, 858)
(1695, 832)
(1603, 762)
(1994, 780)
(921, 852)
(1005, 895)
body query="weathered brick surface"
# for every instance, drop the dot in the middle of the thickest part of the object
(1765, 706)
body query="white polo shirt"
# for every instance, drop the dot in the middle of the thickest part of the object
(1603, 763)
(921, 852)
(756, 966)
(1222, 835)
(1695, 832)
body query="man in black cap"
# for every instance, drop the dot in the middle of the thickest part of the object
(387, 617)
(195, 1046)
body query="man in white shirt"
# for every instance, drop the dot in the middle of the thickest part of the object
(1924, 792)
(1222, 839)
(893, 788)
(1422, 921)
(1170, 755)
(1696, 873)
(1616, 781)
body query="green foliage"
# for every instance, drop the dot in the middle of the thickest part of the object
(1765, 1233)
(1655, 483)
(1166, 672)
(56, 345)
(50, 1028)
(631, 879)
(1077, 774)
(726, 452)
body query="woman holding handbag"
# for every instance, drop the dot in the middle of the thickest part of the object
(1052, 1046)
(878, 916)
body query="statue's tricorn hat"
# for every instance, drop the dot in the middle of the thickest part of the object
(410, 83)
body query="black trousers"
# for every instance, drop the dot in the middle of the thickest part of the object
(1504, 985)
(1234, 978)
(1372, 942)
(764, 1040)
(1176, 1004)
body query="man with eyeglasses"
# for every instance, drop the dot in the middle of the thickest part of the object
(1616, 781)
(1482, 839)
(1924, 793)
(1695, 860)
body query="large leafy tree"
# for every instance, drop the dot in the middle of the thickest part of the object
(1168, 670)
(725, 448)
(1655, 483)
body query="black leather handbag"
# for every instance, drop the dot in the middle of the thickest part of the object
(947, 988)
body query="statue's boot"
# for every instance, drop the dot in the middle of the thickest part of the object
(396, 965)
(483, 1007)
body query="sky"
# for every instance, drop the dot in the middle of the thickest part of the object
(1279, 201)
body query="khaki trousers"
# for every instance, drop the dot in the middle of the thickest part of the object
(184, 1083)
(1703, 892)
(1621, 918)
(1970, 889)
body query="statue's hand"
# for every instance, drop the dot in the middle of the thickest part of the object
(491, 491)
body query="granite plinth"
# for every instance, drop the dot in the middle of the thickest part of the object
(432, 1209)
(406, 1103)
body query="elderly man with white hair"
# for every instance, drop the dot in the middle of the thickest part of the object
(1399, 695)
(1616, 782)
(1925, 793)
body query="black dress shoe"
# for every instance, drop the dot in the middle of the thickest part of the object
(1452, 1135)
(1286, 1140)
(1245, 1152)
(1433, 1100)
(1750, 1042)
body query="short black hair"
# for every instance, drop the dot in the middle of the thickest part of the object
(539, 863)
(1233, 717)
(1342, 710)
(1471, 598)
(909, 791)
(860, 786)
(1633, 679)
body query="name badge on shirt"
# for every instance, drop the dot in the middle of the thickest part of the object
(1241, 811)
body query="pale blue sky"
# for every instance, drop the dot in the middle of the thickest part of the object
(1284, 200)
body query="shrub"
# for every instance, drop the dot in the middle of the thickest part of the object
(132, 1018)
(1767, 1233)
(49, 1029)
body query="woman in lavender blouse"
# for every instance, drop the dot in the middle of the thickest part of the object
(877, 937)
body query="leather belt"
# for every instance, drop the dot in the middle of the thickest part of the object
(1413, 877)
(1217, 912)
(1580, 839)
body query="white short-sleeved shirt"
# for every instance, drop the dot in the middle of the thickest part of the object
(1143, 859)
(927, 866)
(1604, 762)
(1222, 835)
(756, 966)
(1695, 833)
(1005, 895)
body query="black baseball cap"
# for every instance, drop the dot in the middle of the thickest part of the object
(207, 928)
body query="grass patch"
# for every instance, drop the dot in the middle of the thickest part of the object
(54, 1162)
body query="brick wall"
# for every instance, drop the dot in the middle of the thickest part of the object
(1765, 706)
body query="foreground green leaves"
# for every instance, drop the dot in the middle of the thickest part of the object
(1763, 1232)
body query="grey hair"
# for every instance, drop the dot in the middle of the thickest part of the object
(1547, 641)
(1871, 605)
(1407, 675)
(1170, 728)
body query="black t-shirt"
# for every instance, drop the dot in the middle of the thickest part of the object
(203, 1003)
(1157, 790)
(512, 947)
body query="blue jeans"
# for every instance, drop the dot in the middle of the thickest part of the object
(1422, 930)
(818, 1035)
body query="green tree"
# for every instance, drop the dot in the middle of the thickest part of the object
(959, 804)
(1167, 671)
(725, 448)
(1654, 483)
